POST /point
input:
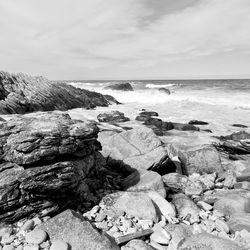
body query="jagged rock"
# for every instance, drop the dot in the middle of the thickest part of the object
(165, 91)
(144, 180)
(196, 122)
(137, 149)
(111, 99)
(112, 116)
(21, 94)
(72, 228)
(205, 241)
(145, 115)
(120, 86)
(237, 136)
(186, 208)
(48, 162)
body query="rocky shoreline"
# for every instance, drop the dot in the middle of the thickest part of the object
(117, 184)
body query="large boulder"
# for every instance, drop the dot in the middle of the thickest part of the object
(120, 86)
(72, 228)
(135, 149)
(20, 93)
(197, 159)
(49, 162)
(165, 91)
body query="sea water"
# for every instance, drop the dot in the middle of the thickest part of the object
(221, 103)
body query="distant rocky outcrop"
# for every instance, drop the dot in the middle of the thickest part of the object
(20, 94)
(120, 86)
(48, 162)
(165, 91)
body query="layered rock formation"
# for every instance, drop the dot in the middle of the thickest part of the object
(48, 162)
(21, 94)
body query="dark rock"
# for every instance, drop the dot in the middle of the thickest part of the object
(239, 126)
(21, 94)
(72, 228)
(49, 162)
(154, 121)
(111, 99)
(2, 120)
(138, 148)
(120, 86)
(205, 241)
(145, 115)
(112, 116)
(167, 126)
(196, 122)
(237, 136)
(207, 130)
(185, 127)
(165, 91)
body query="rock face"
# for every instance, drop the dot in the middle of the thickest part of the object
(120, 86)
(21, 94)
(112, 117)
(72, 228)
(48, 161)
(138, 148)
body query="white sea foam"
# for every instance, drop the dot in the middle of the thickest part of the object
(156, 86)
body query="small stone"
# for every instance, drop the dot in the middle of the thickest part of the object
(100, 217)
(204, 205)
(36, 236)
(145, 224)
(203, 215)
(31, 247)
(224, 235)
(160, 235)
(157, 246)
(221, 225)
(28, 225)
(210, 225)
(37, 221)
(45, 244)
(6, 231)
(59, 245)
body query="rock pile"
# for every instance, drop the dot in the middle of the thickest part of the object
(20, 94)
(112, 117)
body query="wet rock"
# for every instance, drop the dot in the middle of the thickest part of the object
(112, 117)
(72, 228)
(21, 93)
(185, 127)
(144, 180)
(120, 86)
(197, 122)
(206, 241)
(145, 115)
(165, 91)
(131, 203)
(111, 99)
(239, 125)
(186, 208)
(136, 149)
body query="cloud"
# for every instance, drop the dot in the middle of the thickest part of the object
(100, 35)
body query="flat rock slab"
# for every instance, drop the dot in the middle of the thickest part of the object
(72, 228)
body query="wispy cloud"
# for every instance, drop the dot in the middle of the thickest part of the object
(94, 37)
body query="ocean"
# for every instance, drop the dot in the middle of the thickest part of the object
(221, 103)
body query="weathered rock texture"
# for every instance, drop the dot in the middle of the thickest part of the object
(120, 86)
(21, 94)
(48, 162)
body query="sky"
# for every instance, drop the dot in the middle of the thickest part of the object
(126, 39)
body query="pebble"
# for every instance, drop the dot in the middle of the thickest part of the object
(37, 221)
(221, 225)
(36, 236)
(28, 225)
(59, 245)
(6, 239)
(204, 205)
